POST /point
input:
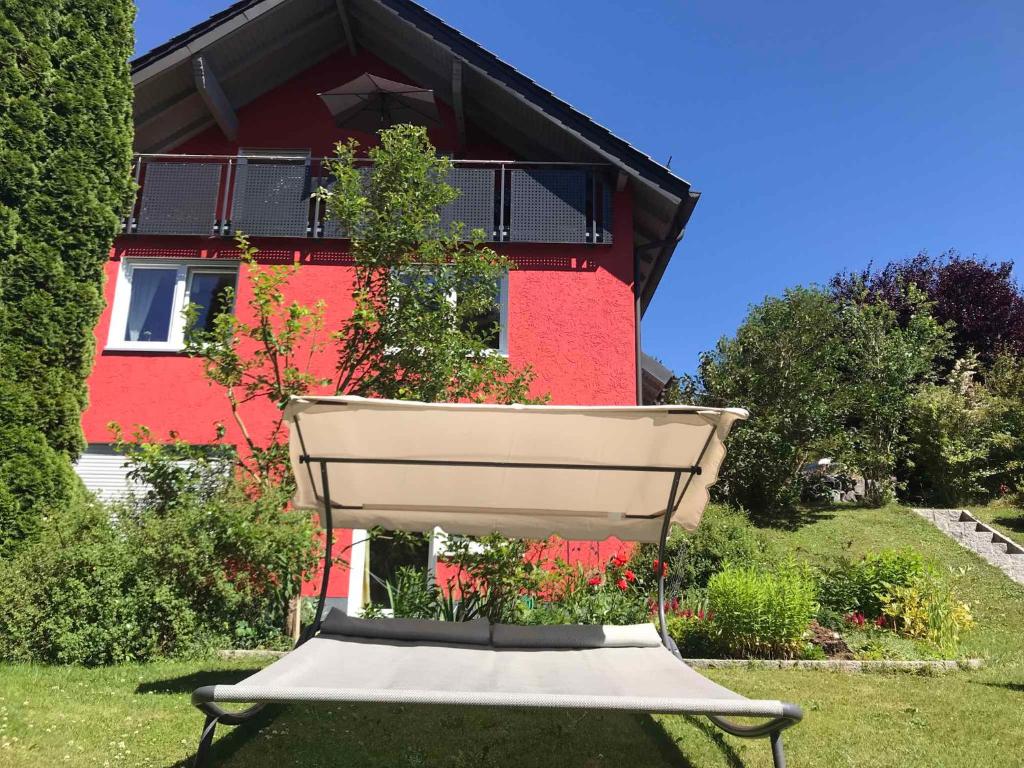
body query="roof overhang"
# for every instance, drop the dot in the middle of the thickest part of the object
(255, 45)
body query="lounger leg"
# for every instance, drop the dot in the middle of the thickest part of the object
(205, 741)
(778, 756)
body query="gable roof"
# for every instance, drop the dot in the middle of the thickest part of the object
(254, 45)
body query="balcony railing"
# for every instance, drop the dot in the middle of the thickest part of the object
(272, 196)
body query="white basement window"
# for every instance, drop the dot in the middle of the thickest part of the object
(151, 295)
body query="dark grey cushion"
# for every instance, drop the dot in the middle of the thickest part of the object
(476, 632)
(575, 636)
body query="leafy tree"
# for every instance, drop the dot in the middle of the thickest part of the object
(65, 157)
(979, 298)
(966, 436)
(425, 304)
(785, 365)
(820, 376)
(885, 363)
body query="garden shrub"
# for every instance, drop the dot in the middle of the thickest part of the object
(155, 577)
(966, 437)
(688, 621)
(693, 635)
(493, 572)
(928, 609)
(725, 535)
(859, 587)
(761, 612)
(79, 594)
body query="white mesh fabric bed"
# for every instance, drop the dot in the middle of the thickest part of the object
(524, 471)
(638, 674)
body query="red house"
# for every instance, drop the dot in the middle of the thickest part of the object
(229, 134)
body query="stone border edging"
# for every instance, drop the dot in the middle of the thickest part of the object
(830, 665)
(939, 666)
(248, 653)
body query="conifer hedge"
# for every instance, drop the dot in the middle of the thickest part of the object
(65, 159)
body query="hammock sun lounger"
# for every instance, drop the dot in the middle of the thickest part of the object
(525, 471)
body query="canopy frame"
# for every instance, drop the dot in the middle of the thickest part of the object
(674, 499)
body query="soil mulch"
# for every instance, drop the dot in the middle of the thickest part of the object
(830, 641)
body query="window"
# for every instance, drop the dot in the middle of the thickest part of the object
(493, 323)
(151, 295)
(373, 563)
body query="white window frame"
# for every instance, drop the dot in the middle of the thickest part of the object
(359, 556)
(502, 316)
(185, 269)
(502, 348)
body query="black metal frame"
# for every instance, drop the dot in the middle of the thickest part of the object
(771, 729)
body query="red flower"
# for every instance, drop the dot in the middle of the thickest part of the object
(618, 561)
(594, 581)
(630, 576)
(621, 584)
(856, 619)
(660, 568)
(880, 621)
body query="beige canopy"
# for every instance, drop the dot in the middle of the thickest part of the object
(621, 462)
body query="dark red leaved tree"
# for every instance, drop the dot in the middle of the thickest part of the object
(980, 298)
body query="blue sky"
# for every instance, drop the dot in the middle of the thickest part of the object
(823, 136)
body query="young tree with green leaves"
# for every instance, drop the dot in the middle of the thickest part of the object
(65, 160)
(425, 304)
(886, 364)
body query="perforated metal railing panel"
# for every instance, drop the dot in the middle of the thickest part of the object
(179, 198)
(274, 198)
(271, 199)
(474, 207)
(548, 206)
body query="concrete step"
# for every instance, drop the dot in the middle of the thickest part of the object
(998, 549)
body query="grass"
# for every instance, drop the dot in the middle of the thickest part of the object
(139, 715)
(1005, 518)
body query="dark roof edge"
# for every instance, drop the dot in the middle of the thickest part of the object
(475, 54)
(180, 41)
(653, 366)
(660, 263)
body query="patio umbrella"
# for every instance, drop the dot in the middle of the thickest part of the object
(370, 103)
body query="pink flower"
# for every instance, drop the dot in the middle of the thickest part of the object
(880, 622)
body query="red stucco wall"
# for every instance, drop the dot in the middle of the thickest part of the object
(570, 307)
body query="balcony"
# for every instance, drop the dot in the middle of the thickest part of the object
(272, 196)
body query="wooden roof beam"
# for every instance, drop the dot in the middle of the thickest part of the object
(460, 112)
(214, 97)
(346, 26)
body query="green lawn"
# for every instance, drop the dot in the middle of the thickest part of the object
(140, 716)
(1009, 520)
